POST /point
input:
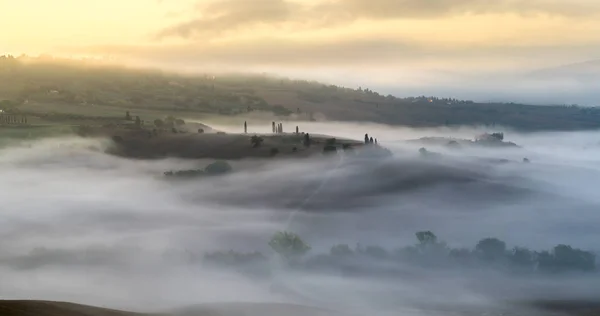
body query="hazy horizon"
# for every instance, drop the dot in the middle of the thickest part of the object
(407, 47)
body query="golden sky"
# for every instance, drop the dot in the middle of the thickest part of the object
(441, 34)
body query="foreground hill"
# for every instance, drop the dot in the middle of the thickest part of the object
(46, 308)
(46, 89)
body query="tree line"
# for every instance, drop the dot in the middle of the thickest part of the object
(428, 252)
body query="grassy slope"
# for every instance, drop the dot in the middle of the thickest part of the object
(88, 92)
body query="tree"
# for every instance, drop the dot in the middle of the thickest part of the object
(491, 248)
(138, 121)
(498, 136)
(426, 237)
(569, 258)
(159, 123)
(366, 138)
(306, 140)
(341, 251)
(288, 245)
(522, 258)
(127, 116)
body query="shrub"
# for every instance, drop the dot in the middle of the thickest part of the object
(256, 141)
(217, 168)
(185, 173)
(274, 151)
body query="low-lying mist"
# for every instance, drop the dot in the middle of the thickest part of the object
(80, 225)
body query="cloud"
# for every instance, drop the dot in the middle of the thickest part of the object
(269, 51)
(231, 14)
(220, 16)
(346, 52)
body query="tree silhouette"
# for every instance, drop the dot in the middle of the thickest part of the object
(306, 140)
(491, 248)
(288, 245)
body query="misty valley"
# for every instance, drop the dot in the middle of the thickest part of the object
(246, 195)
(210, 219)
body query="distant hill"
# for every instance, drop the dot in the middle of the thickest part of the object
(50, 88)
(588, 70)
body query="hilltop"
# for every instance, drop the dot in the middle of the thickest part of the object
(50, 91)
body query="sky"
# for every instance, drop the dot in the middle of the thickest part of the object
(326, 39)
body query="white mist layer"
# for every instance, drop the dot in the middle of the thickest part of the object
(79, 225)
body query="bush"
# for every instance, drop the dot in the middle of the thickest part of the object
(218, 167)
(256, 141)
(185, 173)
(288, 245)
(159, 123)
(274, 151)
